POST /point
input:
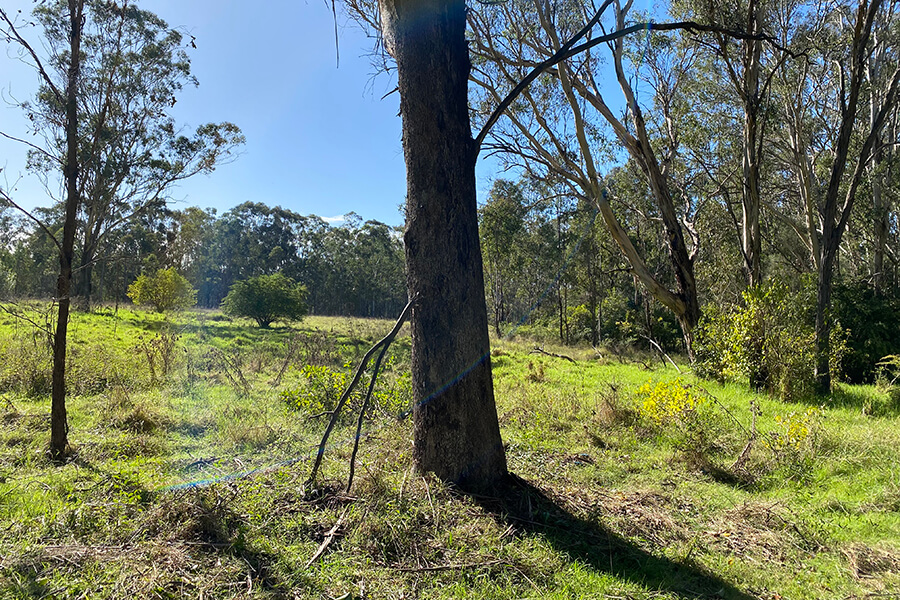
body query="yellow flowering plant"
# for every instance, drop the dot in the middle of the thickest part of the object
(680, 413)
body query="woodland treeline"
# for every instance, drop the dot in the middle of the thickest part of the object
(355, 269)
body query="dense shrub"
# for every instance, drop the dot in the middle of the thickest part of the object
(682, 415)
(769, 341)
(265, 299)
(164, 290)
(872, 322)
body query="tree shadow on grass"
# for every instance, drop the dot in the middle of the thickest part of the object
(528, 508)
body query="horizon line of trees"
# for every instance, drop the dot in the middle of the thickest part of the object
(355, 269)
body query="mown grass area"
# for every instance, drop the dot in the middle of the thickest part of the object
(193, 437)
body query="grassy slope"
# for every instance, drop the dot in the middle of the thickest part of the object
(190, 483)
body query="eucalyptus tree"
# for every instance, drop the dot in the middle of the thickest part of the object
(249, 240)
(556, 128)
(59, 76)
(831, 138)
(132, 152)
(501, 221)
(189, 234)
(456, 430)
(885, 53)
(731, 87)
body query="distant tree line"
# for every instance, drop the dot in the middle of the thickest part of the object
(352, 269)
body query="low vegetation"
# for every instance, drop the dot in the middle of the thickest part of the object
(194, 435)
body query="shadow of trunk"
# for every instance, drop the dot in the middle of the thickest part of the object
(529, 509)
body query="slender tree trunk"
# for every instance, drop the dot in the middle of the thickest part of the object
(83, 283)
(881, 227)
(750, 198)
(456, 432)
(823, 324)
(59, 428)
(834, 222)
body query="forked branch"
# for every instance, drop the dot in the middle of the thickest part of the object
(383, 344)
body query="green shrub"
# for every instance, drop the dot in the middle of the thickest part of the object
(581, 323)
(265, 299)
(794, 442)
(164, 290)
(872, 322)
(889, 379)
(770, 341)
(321, 391)
(323, 387)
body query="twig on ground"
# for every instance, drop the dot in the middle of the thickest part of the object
(451, 567)
(329, 537)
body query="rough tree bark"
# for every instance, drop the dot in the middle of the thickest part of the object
(456, 432)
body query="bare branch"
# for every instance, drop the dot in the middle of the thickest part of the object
(568, 50)
(385, 341)
(32, 146)
(14, 34)
(4, 196)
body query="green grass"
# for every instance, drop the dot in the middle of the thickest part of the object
(187, 478)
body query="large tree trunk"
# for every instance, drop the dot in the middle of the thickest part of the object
(457, 435)
(59, 428)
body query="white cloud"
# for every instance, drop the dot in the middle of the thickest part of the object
(337, 219)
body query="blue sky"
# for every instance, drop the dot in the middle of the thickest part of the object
(320, 138)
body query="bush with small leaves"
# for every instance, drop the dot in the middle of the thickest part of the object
(265, 299)
(164, 290)
(795, 442)
(682, 415)
(770, 340)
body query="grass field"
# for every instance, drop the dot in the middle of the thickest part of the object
(193, 437)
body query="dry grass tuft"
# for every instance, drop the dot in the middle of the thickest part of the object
(647, 515)
(866, 561)
(764, 532)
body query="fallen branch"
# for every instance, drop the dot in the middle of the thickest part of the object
(385, 341)
(539, 350)
(661, 351)
(329, 537)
